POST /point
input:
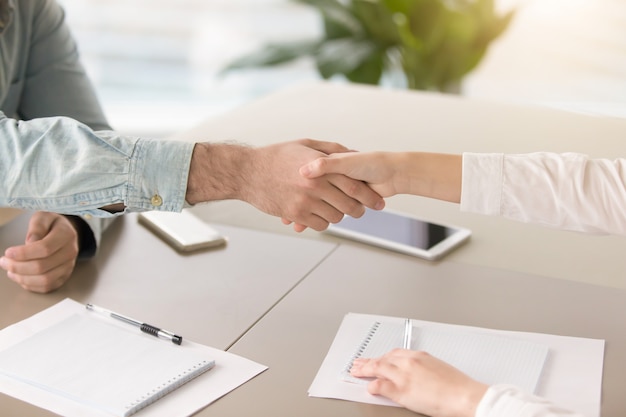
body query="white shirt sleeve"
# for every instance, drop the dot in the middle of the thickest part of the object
(567, 191)
(509, 401)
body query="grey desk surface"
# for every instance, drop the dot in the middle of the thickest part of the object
(294, 337)
(283, 306)
(211, 297)
(369, 118)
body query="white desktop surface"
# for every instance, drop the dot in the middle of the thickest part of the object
(370, 118)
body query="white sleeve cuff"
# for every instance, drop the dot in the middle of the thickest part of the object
(481, 190)
(507, 400)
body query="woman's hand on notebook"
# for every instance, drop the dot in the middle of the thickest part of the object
(422, 383)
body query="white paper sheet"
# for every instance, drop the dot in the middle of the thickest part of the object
(229, 372)
(571, 378)
(489, 358)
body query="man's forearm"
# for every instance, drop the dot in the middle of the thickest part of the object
(218, 172)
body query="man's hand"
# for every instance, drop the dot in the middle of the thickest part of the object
(47, 258)
(269, 179)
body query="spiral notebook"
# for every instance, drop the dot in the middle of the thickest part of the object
(112, 368)
(489, 358)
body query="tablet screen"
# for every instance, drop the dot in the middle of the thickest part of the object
(397, 228)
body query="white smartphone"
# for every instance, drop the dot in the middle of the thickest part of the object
(402, 233)
(183, 231)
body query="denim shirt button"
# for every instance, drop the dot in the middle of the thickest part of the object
(156, 200)
(87, 216)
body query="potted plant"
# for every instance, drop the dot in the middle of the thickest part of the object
(431, 43)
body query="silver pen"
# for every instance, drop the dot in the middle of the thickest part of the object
(144, 327)
(408, 333)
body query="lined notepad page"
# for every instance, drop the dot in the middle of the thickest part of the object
(112, 368)
(488, 358)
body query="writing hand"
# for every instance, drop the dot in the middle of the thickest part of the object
(47, 258)
(422, 383)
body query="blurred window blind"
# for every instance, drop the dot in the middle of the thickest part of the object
(155, 63)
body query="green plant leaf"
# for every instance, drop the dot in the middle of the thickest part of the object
(426, 19)
(434, 42)
(378, 22)
(370, 71)
(339, 21)
(495, 28)
(415, 68)
(461, 27)
(343, 56)
(485, 11)
(403, 26)
(400, 6)
(274, 54)
(335, 30)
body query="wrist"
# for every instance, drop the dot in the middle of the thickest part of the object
(472, 398)
(403, 164)
(217, 172)
(435, 175)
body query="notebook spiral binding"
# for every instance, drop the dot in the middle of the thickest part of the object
(366, 341)
(169, 386)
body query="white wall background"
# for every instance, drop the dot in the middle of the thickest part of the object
(567, 53)
(155, 63)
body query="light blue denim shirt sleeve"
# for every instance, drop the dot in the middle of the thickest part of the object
(58, 164)
(41, 78)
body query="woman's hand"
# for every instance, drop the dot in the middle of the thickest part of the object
(422, 383)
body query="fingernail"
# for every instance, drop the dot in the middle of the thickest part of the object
(356, 367)
(380, 205)
(4, 263)
(357, 363)
(305, 171)
(32, 238)
(13, 277)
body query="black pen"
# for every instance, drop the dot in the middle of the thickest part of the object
(144, 327)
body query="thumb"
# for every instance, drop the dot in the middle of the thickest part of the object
(33, 237)
(326, 147)
(315, 168)
(331, 164)
(39, 226)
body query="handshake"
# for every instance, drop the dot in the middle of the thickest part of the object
(286, 180)
(307, 183)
